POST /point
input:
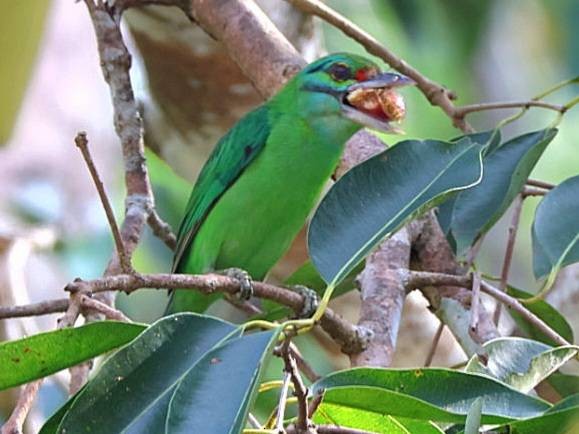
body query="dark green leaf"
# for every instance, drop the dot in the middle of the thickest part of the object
(427, 394)
(43, 354)
(520, 363)
(131, 383)
(377, 197)
(215, 396)
(506, 170)
(556, 229)
(547, 313)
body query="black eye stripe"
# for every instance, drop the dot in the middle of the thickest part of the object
(340, 72)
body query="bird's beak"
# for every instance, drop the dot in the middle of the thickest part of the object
(375, 103)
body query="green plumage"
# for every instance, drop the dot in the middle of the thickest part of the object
(264, 177)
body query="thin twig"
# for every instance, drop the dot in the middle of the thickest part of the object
(434, 345)
(300, 390)
(18, 416)
(533, 191)
(434, 92)
(282, 403)
(82, 144)
(418, 279)
(464, 110)
(109, 312)
(303, 365)
(541, 184)
(162, 230)
(43, 308)
(514, 304)
(475, 305)
(511, 238)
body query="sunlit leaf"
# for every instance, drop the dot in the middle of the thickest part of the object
(562, 418)
(43, 354)
(426, 394)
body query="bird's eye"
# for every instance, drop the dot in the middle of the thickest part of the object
(340, 72)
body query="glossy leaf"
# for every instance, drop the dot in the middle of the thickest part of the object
(377, 197)
(562, 418)
(520, 363)
(551, 316)
(376, 423)
(215, 396)
(506, 169)
(426, 394)
(43, 354)
(556, 229)
(133, 381)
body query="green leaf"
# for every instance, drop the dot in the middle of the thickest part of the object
(43, 354)
(472, 425)
(564, 384)
(520, 363)
(215, 396)
(22, 24)
(427, 394)
(556, 229)
(562, 418)
(377, 197)
(506, 170)
(133, 381)
(551, 316)
(377, 423)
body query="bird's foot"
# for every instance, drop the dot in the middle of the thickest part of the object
(311, 300)
(245, 282)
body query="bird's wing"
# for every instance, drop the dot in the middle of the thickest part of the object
(232, 154)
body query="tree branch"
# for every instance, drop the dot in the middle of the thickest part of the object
(82, 143)
(462, 111)
(434, 92)
(28, 393)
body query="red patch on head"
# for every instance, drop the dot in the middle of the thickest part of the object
(364, 74)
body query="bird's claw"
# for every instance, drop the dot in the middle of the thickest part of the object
(245, 282)
(311, 300)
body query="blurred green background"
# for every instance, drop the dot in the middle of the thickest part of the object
(51, 87)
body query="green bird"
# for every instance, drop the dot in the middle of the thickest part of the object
(266, 174)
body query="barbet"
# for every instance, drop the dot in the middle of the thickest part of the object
(266, 174)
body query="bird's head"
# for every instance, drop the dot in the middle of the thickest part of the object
(353, 87)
